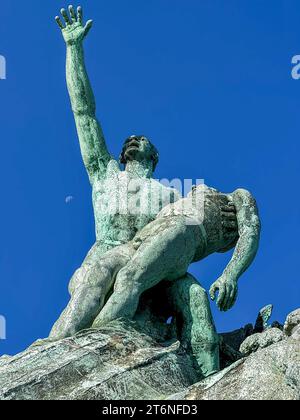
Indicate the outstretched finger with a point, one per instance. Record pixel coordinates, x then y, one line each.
72 13
59 22
213 291
87 27
227 300
65 16
234 298
221 297
79 14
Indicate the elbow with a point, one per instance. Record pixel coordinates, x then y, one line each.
250 227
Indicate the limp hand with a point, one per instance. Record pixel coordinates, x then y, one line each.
72 26
228 291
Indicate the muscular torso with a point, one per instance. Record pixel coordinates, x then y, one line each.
203 207
124 204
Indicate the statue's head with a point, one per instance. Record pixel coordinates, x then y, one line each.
139 148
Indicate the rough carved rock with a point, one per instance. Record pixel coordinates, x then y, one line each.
235 338
261 341
117 363
230 344
263 317
269 374
292 323
121 363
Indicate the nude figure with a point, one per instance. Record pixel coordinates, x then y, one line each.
124 201
115 192
137 251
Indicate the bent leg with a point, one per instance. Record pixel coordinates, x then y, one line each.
90 293
165 253
195 325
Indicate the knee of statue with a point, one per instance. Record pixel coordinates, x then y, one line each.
75 278
125 287
125 278
79 273
198 295
83 276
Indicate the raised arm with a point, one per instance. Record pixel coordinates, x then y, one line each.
92 144
244 253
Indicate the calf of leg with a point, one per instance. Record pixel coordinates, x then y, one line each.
195 325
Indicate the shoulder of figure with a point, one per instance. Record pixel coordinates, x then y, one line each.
113 168
157 186
110 171
241 195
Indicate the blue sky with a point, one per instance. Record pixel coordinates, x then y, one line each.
208 81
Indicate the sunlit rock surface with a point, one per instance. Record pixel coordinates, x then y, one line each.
120 362
117 363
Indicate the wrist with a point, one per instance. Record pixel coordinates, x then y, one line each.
74 44
230 275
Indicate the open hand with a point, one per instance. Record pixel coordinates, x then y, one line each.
72 28
228 291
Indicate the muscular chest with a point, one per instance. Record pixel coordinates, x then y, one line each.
123 195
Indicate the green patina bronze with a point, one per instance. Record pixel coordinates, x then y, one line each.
147 235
